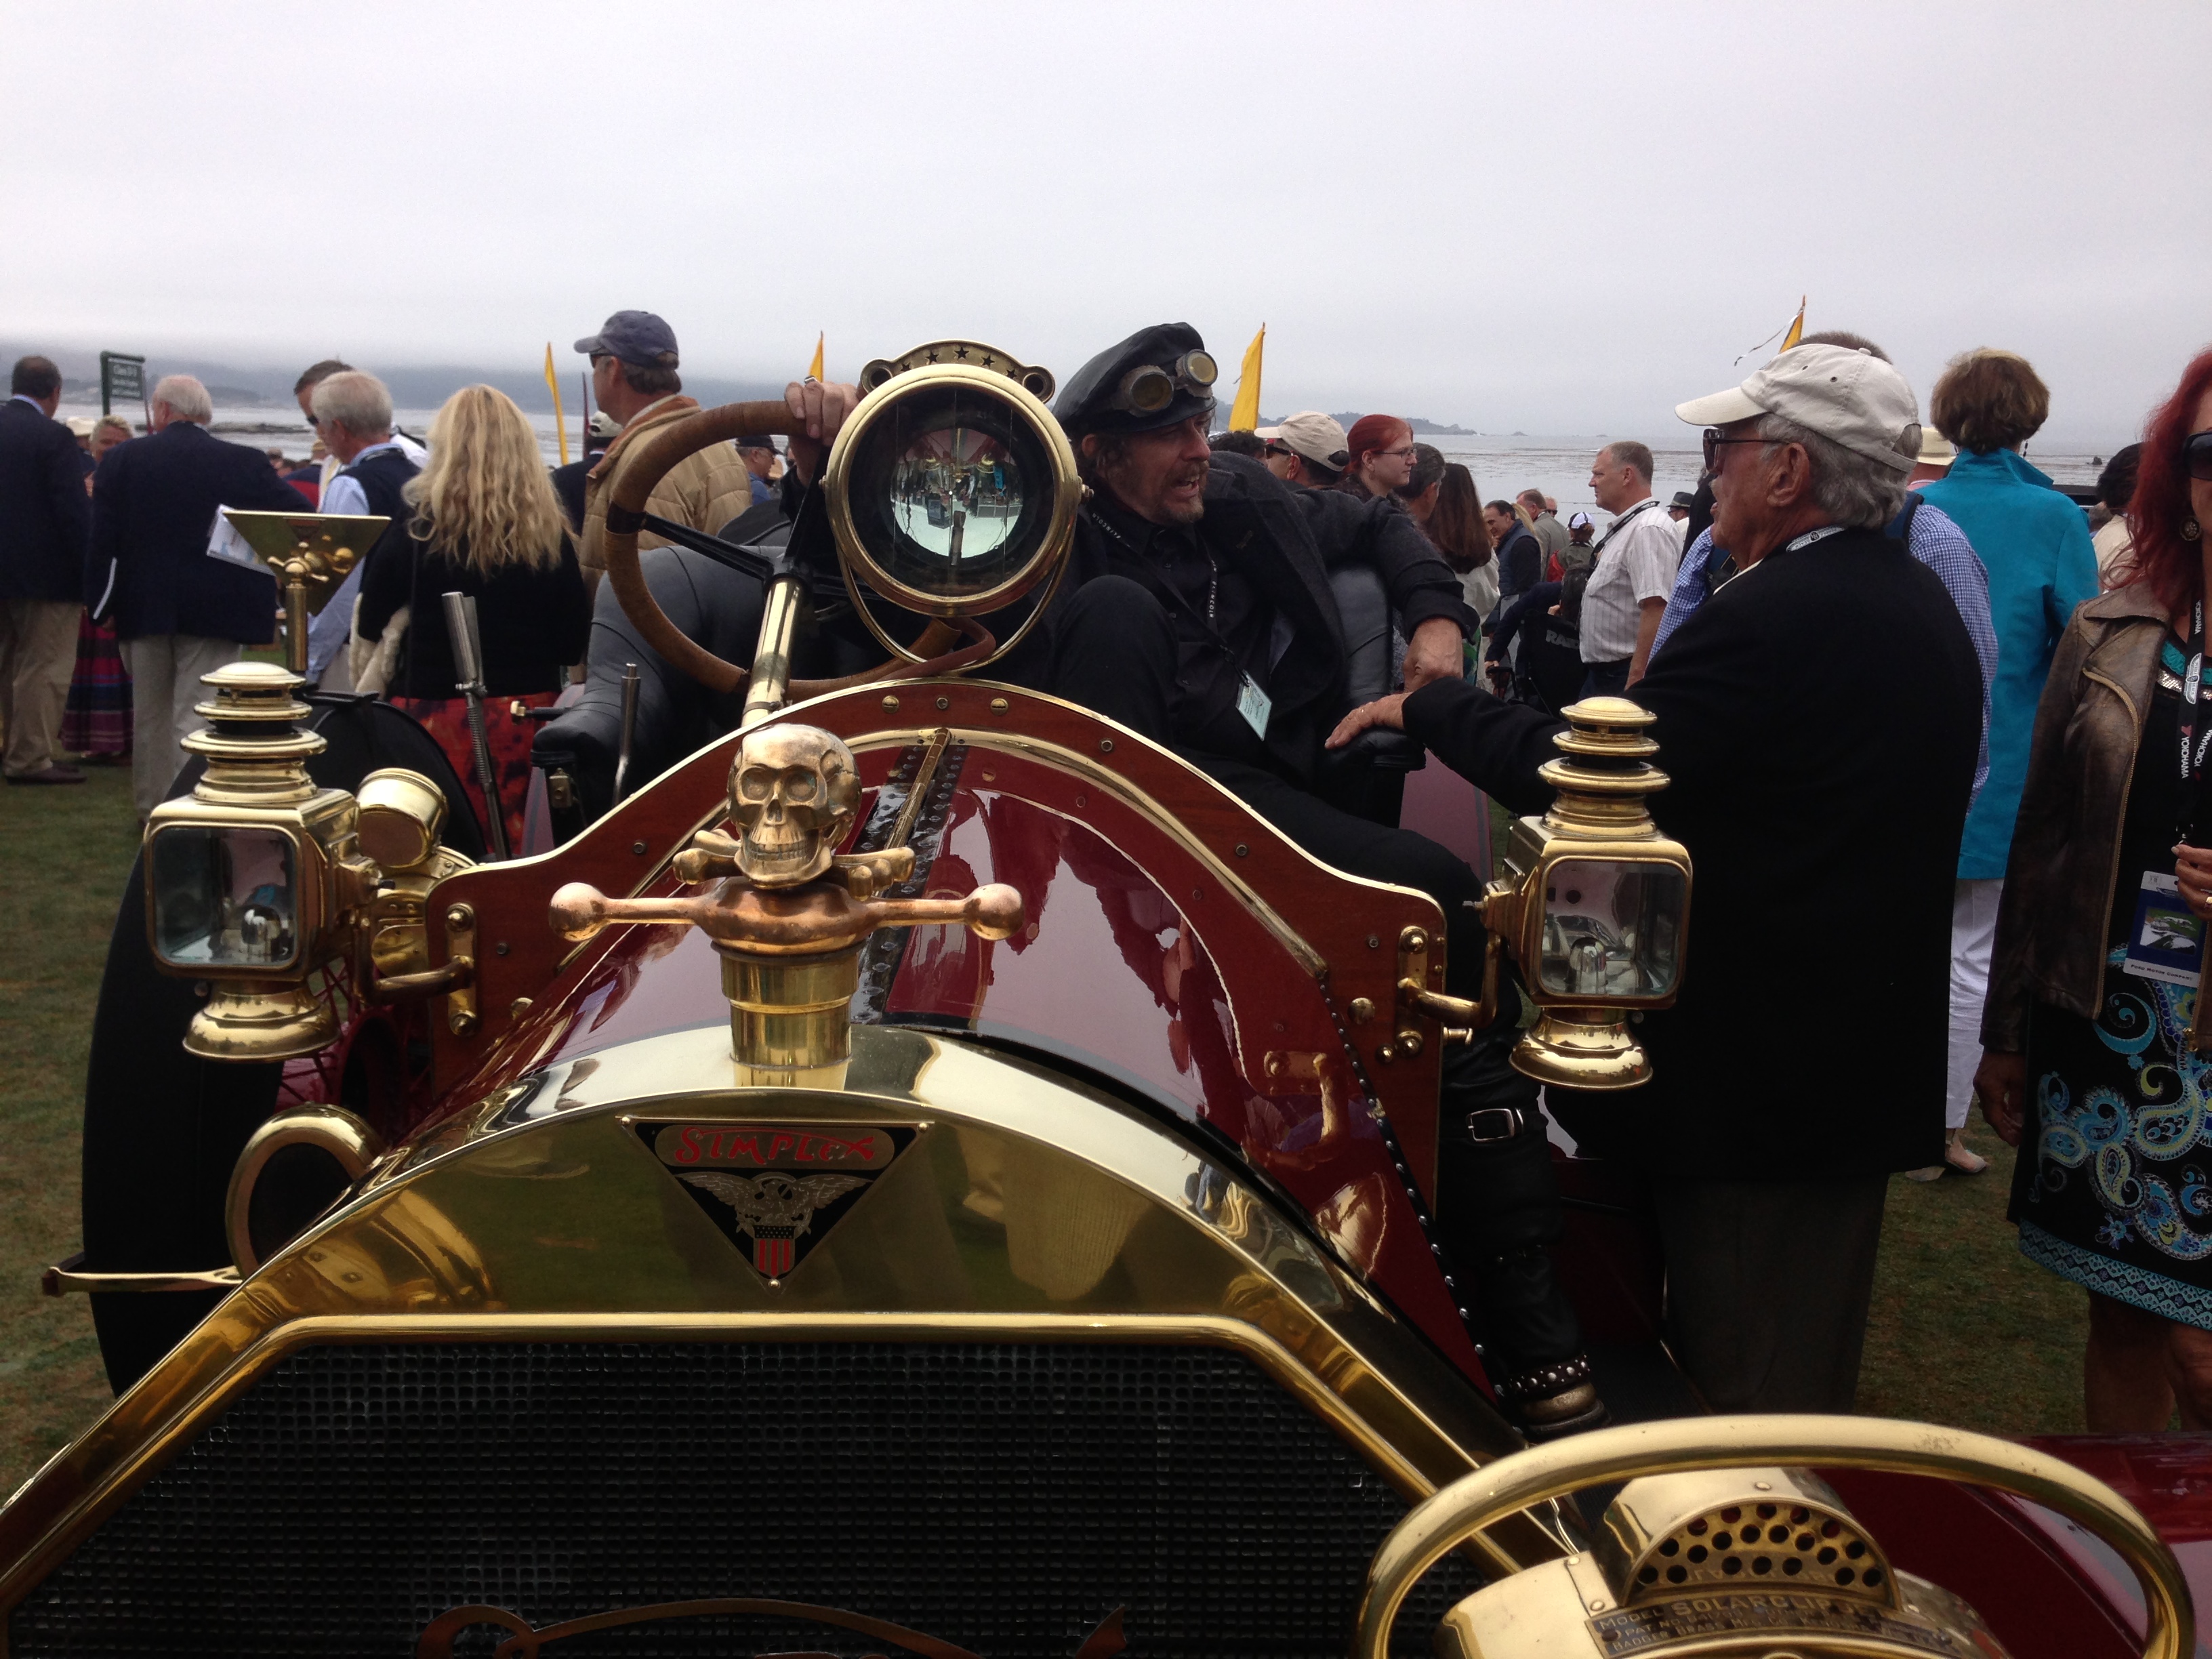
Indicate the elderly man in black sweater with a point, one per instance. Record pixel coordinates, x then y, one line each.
1819 719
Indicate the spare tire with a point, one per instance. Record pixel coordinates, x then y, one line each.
163 1128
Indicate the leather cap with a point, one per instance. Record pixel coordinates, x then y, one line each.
1086 403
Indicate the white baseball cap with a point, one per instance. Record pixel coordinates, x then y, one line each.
1312 435
1851 398
1578 521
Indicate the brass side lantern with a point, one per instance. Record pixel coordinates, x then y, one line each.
1592 902
248 877
261 878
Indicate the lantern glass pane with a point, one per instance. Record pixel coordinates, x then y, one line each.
225 896
1612 930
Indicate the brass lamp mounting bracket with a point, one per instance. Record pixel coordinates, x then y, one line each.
1421 970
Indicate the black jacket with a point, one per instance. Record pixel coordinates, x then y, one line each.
154 502
1520 563
1284 542
1822 802
533 623
44 516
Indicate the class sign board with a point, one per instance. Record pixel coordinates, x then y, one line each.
122 378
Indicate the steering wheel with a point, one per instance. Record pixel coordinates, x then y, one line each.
639 473
1482 1499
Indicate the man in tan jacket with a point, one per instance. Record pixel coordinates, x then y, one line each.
633 378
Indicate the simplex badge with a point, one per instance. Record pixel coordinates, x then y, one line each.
781 1186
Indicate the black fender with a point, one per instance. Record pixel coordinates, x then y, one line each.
163 1129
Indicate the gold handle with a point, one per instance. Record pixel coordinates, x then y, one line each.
1480 1500
823 916
580 910
1460 1018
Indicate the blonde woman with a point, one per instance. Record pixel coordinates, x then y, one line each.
486 523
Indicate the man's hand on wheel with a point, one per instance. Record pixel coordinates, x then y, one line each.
820 409
1389 712
1437 652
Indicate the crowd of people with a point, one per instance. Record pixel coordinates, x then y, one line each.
1914 715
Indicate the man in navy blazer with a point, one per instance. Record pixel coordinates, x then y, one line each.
179 613
44 518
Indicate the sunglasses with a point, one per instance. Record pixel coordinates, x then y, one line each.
2196 456
1715 443
1405 454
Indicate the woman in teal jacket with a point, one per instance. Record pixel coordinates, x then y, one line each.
2034 544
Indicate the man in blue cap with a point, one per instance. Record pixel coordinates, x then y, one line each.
1199 610
634 378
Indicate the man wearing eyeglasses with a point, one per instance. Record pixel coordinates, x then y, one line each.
1634 572
634 380
1806 1059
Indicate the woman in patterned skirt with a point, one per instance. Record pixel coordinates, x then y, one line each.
96 720
488 524
2089 1065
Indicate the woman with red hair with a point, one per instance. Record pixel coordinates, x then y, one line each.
1381 448
2100 943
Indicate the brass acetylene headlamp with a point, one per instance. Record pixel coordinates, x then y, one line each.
248 878
259 879
1593 904
951 489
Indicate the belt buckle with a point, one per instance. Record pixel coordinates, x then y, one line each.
1490 1123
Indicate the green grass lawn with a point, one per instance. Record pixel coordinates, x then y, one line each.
1965 1330
64 855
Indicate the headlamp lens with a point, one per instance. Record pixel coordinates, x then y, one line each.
1612 929
225 895
952 494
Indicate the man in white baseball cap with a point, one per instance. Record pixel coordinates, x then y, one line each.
1307 451
1818 718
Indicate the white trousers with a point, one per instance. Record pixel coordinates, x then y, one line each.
165 684
1973 930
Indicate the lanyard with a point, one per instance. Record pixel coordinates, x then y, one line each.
1212 580
2192 748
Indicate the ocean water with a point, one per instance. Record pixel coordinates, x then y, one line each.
1502 466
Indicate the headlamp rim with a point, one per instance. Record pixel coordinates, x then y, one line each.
858 564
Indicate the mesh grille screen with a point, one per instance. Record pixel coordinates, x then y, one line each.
1004 1497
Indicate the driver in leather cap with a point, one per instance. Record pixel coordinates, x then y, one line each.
1199 610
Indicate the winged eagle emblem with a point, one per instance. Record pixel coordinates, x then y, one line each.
773 1210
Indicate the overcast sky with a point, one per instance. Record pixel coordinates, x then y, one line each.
1559 218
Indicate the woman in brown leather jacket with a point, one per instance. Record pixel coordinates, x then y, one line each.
2098 944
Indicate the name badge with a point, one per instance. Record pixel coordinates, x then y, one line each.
2167 940
1255 705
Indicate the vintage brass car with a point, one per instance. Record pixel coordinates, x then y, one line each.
932 1172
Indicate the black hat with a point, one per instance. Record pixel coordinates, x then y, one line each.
635 337
1684 500
1110 393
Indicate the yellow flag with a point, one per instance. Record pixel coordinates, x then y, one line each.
814 368
1245 413
560 420
1797 328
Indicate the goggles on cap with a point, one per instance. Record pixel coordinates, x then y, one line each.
1149 388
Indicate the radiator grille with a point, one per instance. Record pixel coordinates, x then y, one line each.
1002 1497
